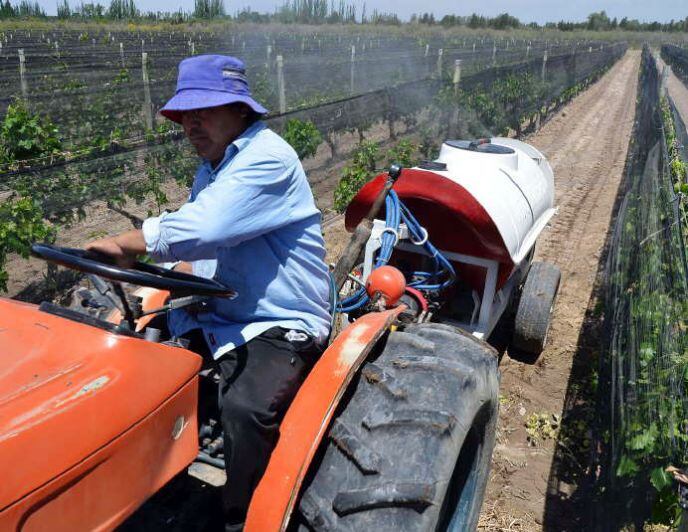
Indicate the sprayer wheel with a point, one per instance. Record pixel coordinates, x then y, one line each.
534 312
410 446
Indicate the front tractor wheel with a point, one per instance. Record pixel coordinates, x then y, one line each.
410 448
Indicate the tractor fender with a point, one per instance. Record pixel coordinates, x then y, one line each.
307 420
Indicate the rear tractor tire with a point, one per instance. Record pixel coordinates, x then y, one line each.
533 317
410 448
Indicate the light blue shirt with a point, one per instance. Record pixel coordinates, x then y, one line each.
252 224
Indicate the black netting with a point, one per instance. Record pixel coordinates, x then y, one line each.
644 374
678 59
90 88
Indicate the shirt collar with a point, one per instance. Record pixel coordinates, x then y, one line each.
247 136
237 145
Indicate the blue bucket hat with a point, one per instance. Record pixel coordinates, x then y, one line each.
209 81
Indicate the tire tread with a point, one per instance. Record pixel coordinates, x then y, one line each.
396 438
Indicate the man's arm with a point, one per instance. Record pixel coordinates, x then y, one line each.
251 200
124 247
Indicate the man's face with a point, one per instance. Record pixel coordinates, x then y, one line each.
212 129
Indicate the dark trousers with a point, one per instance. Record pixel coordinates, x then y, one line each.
258 382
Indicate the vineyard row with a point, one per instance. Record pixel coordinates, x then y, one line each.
42 198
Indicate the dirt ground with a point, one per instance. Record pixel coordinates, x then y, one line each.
586 144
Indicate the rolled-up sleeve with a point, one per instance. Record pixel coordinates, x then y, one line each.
151 234
246 200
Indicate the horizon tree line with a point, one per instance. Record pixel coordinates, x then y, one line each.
325 12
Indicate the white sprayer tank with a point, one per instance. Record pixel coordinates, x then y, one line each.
511 180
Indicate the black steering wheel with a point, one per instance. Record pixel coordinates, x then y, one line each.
140 274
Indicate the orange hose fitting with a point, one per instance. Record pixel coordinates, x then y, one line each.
387 281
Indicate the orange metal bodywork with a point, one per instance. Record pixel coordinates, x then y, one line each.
91 423
90 420
308 418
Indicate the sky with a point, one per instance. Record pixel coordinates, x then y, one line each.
526 10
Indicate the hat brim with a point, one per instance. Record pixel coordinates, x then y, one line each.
190 99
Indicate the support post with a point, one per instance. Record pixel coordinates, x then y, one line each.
121 54
280 85
544 66
457 75
428 64
147 106
57 49
268 53
571 68
440 53
527 51
353 69
663 80
193 48
494 53
22 76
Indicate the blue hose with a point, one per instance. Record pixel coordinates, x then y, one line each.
443 274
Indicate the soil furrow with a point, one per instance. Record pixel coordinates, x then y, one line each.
586 145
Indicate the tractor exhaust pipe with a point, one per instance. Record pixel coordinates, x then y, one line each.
362 233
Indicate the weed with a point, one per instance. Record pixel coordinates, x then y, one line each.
542 426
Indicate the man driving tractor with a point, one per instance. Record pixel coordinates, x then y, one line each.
251 223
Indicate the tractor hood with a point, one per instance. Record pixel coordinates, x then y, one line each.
68 389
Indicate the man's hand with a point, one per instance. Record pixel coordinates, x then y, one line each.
124 248
184 267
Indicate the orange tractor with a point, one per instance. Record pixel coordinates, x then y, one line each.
392 429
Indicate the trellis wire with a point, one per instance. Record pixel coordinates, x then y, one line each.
99 174
82 93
